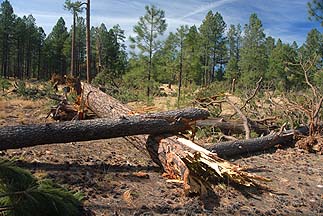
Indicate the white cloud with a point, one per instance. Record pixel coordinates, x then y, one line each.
207 7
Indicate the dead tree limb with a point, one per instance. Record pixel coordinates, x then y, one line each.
253 94
243 117
306 67
165 122
240 147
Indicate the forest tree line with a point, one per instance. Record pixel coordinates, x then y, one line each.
201 54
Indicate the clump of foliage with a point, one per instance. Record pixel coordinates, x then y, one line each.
22 90
4 84
22 194
125 90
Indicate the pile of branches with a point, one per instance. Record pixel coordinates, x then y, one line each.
179 157
299 112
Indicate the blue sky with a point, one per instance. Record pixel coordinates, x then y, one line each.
285 19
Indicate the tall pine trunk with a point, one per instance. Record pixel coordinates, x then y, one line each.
180 74
88 43
73 45
150 57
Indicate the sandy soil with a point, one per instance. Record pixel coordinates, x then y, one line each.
118 179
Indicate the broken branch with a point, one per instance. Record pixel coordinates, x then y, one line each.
243 117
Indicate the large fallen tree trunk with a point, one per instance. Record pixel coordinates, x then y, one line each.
164 122
105 106
240 147
179 157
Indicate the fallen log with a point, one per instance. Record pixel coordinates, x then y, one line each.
199 168
105 106
179 160
240 147
20 136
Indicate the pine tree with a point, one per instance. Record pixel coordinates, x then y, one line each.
55 42
148 28
253 61
20 40
270 45
111 56
213 40
276 72
315 10
101 37
75 8
80 48
116 56
31 37
40 45
7 19
234 41
192 52
22 194
312 50
181 34
166 60
313 44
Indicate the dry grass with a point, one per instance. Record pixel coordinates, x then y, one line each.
227 109
128 197
158 104
20 111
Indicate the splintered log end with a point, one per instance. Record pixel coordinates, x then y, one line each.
199 168
164 154
165 151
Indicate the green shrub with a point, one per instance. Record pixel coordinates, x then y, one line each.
4 84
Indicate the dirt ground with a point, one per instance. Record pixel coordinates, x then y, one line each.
118 179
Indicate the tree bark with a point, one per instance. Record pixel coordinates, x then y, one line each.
165 122
240 147
103 105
